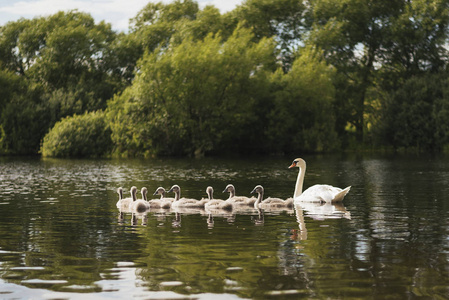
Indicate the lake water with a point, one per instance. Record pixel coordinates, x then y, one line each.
62 236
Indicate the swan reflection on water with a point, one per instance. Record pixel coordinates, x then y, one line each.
260 219
135 216
314 210
317 211
323 211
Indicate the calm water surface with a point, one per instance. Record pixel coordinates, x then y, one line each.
61 235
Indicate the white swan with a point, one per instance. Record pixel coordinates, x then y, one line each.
141 205
269 202
125 204
163 202
216 203
238 200
184 202
317 193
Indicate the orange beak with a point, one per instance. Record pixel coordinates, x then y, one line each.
293 165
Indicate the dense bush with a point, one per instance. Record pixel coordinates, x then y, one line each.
53 67
417 114
24 118
194 98
302 119
78 136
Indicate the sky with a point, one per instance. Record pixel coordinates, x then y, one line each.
116 12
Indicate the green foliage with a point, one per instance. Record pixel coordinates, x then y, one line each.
155 24
190 81
193 98
23 119
416 115
78 136
64 50
302 119
10 85
281 19
69 62
368 40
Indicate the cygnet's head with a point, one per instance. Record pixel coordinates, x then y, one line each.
258 189
175 189
229 188
159 191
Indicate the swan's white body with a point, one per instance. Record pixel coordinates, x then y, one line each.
317 193
212 203
184 202
238 200
269 203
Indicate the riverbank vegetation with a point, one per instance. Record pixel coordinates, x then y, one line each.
270 76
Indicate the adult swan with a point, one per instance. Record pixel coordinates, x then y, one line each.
317 193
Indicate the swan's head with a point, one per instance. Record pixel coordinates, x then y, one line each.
133 190
175 189
229 188
299 162
258 189
159 191
210 192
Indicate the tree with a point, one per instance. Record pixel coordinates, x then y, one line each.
12 89
416 115
191 98
282 20
63 51
69 64
351 33
24 121
374 42
155 24
302 118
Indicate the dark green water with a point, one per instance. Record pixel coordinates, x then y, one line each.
62 237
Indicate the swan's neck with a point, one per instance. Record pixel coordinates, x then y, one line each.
210 195
177 195
163 195
144 196
120 194
231 193
134 195
259 199
300 180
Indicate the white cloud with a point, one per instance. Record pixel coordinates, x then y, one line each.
116 12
